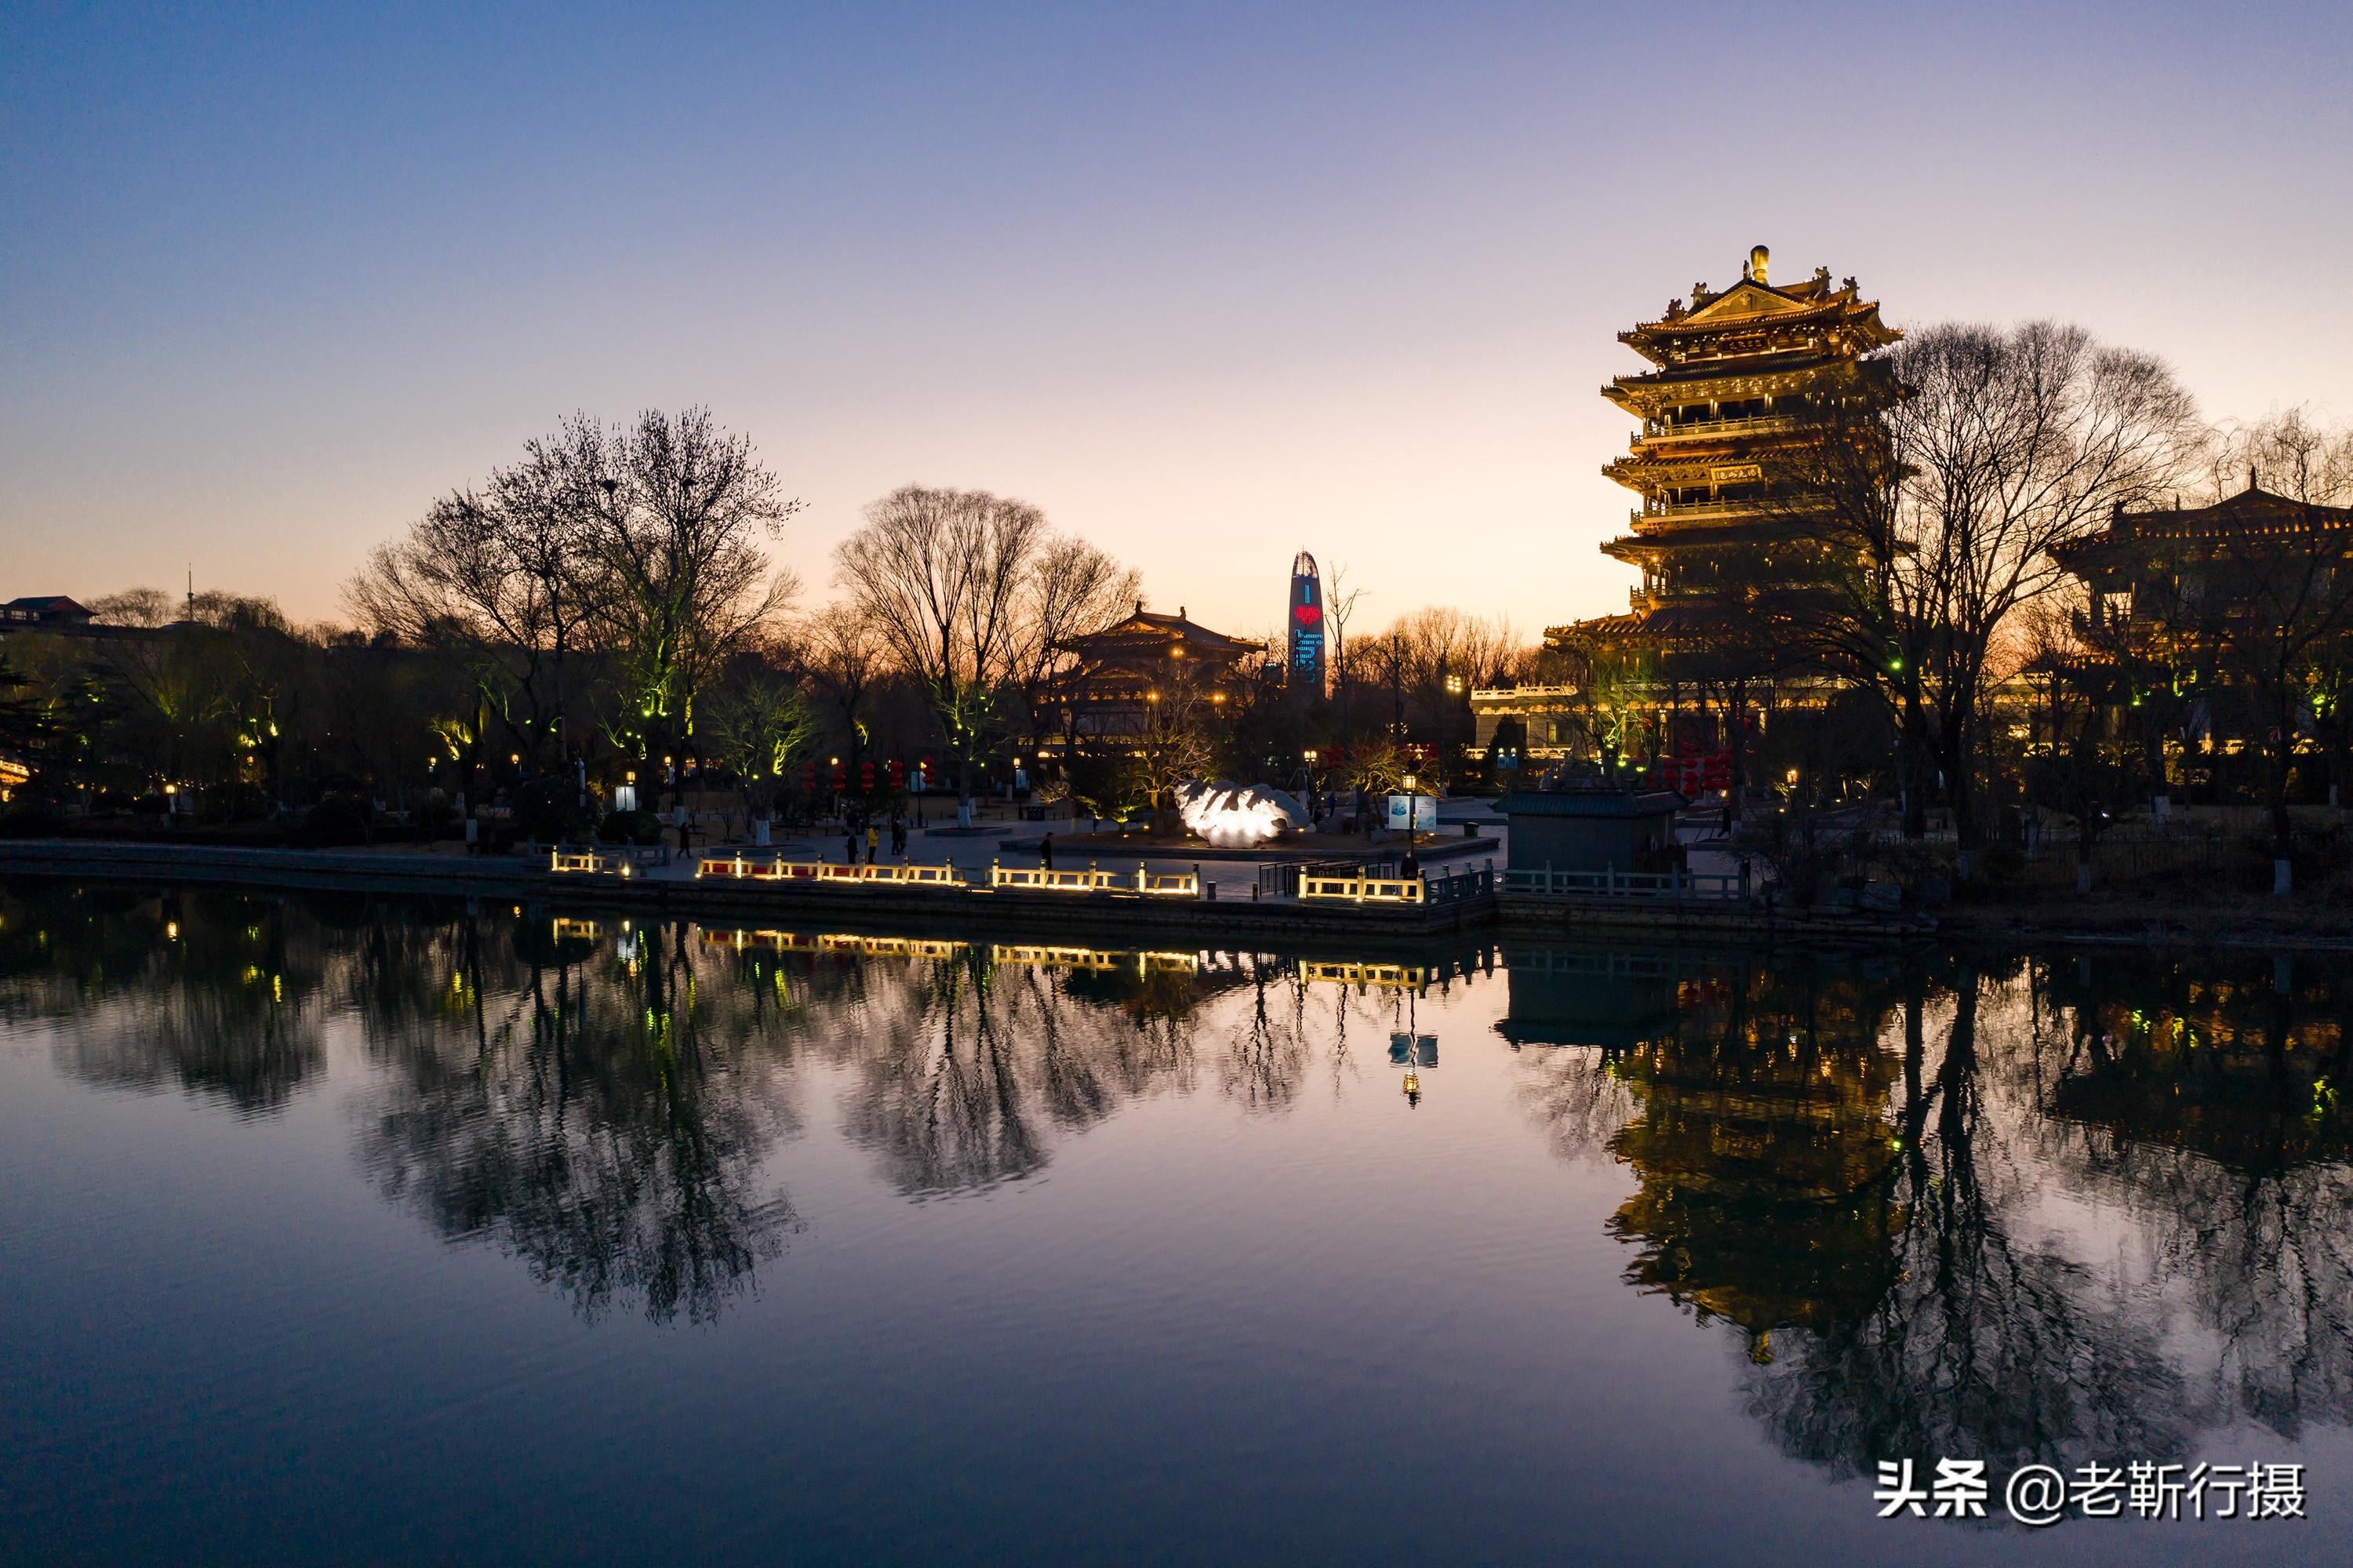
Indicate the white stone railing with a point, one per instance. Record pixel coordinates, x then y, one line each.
1610 884
1361 889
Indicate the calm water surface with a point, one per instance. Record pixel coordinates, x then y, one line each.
374 1231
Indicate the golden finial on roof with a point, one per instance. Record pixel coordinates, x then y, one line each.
1757 257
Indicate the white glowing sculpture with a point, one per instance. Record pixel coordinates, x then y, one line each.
1237 816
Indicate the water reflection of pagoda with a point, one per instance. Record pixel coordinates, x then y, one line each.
1760 1139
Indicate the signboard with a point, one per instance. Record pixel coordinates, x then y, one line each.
1413 813
1735 473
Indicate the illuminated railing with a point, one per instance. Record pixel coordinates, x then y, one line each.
745 868
565 929
887 947
1095 960
587 862
782 941
1045 879
1361 889
1739 425
807 942
750 868
1094 879
1693 511
1396 976
1522 696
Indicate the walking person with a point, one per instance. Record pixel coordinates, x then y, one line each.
873 842
850 847
1046 852
898 838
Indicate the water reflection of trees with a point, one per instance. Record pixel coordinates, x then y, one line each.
2207 1096
215 993
1987 1340
599 1100
965 1066
1860 1172
600 1113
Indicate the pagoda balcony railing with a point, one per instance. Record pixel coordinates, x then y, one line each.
1695 511
1715 511
1740 424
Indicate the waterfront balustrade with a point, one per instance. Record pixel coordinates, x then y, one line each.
1094 879
586 863
1361 889
749 868
1544 882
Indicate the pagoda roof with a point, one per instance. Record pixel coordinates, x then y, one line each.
2251 513
1752 302
1601 628
1748 376
1152 631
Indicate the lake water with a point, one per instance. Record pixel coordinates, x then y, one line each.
372 1230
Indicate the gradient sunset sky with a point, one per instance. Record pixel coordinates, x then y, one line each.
1208 285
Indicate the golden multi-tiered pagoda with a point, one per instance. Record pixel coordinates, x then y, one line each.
1744 377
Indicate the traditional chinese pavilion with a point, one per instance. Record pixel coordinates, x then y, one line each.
1741 385
2163 582
1115 674
1740 379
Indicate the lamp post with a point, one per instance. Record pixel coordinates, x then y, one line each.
1412 804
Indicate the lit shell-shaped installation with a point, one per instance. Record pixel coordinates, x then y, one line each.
1237 816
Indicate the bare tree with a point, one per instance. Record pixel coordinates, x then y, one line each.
503 583
844 654
944 576
144 607
1942 512
760 727
682 505
1174 741
1074 589
1340 603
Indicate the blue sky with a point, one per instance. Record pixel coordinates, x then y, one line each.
1210 285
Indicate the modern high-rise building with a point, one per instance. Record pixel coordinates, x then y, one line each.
1305 668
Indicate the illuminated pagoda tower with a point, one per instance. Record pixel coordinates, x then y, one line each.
1741 378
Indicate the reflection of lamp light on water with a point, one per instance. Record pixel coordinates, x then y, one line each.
1413 1052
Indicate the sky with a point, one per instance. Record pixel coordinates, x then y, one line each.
1208 285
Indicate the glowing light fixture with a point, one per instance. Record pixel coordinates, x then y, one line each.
1235 816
